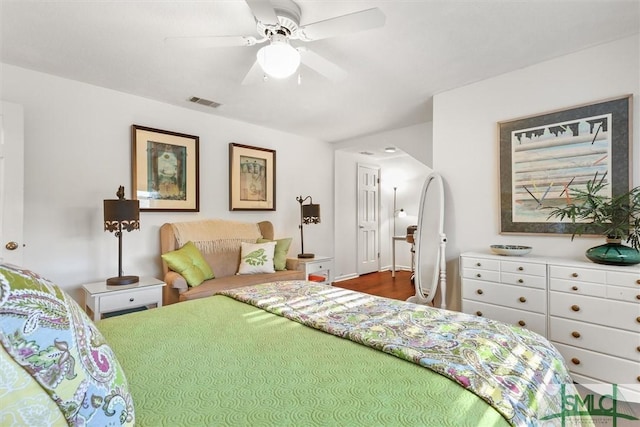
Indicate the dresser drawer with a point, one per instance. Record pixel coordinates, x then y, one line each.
524 268
624 294
595 310
577 274
611 341
578 288
121 301
526 319
619 278
605 368
520 279
519 297
480 263
474 273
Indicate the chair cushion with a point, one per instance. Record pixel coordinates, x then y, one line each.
189 262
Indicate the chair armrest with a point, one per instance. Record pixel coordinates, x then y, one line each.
176 281
292 264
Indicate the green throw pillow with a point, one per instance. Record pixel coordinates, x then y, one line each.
280 254
188 261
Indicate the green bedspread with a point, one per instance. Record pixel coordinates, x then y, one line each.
216 361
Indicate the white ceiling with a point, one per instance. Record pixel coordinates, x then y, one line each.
424 48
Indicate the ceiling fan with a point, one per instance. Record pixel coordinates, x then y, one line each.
278 22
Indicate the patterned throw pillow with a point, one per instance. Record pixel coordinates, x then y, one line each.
281 251
188 261
45 331
256 258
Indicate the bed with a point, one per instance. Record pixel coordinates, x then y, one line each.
300 353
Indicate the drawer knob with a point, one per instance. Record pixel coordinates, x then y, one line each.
638 349
522 299
575 361
574 288
574 275
521 268
638 319
638 378
520 281
521 323
478 275
638 296
577 308
478 313
479 292
131 299
478 264
575 334
638 282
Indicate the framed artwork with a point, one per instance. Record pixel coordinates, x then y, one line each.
544 157
165 174
252 178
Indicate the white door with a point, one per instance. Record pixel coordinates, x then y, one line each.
368 219
11 183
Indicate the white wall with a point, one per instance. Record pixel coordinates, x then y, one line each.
465 138
77 153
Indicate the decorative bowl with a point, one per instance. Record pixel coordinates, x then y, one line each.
511 250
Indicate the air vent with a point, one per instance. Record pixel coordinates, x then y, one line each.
204 102
367 153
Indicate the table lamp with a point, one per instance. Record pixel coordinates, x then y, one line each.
309 214
118 215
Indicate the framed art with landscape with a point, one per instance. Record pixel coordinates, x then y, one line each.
252 178
544 158
165 170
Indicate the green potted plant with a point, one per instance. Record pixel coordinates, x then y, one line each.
617 218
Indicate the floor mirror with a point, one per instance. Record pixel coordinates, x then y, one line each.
430 242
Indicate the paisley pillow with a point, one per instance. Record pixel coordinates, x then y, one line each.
49 335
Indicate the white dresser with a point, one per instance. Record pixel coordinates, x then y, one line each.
513 290
590 312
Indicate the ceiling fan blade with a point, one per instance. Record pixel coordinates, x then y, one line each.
263 11
321 65
345 24
201 42
255 75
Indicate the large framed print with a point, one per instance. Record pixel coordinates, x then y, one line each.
165 170
544 157
252 178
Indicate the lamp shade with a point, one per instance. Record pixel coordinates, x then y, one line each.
311 214
279 59
121 212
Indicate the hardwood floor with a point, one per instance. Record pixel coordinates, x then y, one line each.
382 284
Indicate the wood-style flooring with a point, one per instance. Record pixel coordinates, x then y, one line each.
381 284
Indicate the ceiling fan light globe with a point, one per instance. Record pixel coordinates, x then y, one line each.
279 59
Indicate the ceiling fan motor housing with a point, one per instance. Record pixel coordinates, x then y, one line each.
288 14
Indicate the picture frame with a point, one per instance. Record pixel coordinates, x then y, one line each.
165 170
543 157
252 178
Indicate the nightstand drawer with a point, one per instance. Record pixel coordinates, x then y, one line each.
318 266
129 299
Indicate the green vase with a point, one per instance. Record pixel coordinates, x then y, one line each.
613 253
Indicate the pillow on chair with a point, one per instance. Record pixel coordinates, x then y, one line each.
188 261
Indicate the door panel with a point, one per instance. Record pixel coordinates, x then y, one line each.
11 183
368 219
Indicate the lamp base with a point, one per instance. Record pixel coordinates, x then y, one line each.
122 280
306 255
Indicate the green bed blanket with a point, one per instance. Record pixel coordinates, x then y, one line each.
216 362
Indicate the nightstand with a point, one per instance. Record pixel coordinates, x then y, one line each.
100 298
318 269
